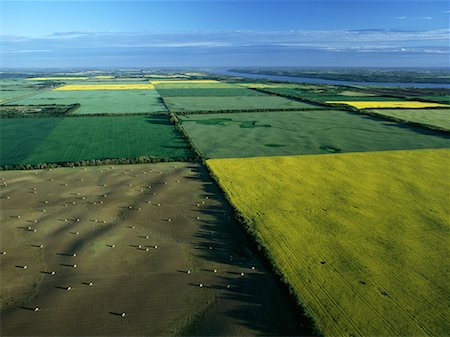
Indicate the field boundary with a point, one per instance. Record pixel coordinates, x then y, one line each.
71 115
206 112
256 241
98 162
400 120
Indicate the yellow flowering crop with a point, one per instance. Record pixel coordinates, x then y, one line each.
104 76
361 238
389 104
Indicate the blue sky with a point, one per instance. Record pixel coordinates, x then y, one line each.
224 33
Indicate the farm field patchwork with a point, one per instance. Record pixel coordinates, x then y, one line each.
434 117
184 82
101 101
208 92
389 104
360 237
303 132
69 139
116 86
57 78
186 104
14 88
318 96
128 264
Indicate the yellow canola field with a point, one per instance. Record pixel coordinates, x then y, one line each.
183 81
361 238
103 76
389 104
57 78
123 86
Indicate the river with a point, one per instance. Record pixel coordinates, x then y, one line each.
325 81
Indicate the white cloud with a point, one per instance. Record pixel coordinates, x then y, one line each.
364 40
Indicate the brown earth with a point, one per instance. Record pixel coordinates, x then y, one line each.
146 278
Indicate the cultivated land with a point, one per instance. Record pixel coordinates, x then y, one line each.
303 132
14 88
359 237
187 104
136 266
101 101
439 118
115 86
389 104
69 139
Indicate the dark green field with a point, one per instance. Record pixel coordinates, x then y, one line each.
48 140
305 132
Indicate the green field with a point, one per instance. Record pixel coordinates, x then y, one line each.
439 99
433 117
183 104
204 92
305 132
14 88
48 140
319 96
194 85
361 238
101 101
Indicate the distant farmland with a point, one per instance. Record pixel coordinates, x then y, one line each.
83 138
359 237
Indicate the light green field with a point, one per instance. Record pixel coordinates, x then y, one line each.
102 101
194 85
361 238
50 140
14 88
182 104
434 117
303 132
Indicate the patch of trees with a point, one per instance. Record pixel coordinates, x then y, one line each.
52 110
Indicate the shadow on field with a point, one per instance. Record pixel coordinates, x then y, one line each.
405 126
158 119
246 291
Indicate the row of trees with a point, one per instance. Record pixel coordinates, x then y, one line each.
97 162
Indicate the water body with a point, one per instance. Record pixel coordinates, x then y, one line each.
325 81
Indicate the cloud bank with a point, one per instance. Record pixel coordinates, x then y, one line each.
223 48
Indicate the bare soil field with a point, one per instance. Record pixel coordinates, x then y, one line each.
131 250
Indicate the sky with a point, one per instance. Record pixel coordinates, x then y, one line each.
364 33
